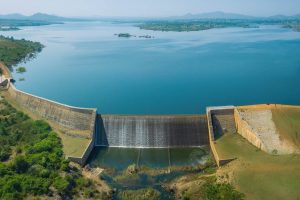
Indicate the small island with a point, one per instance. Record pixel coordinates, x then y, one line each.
9 28
125 35
146 36
21 70
128 35
295 27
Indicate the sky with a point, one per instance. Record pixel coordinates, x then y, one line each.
149 8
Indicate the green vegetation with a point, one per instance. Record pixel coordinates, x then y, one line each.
32 161
143 178
260 175
142 194
205 24
13 51
287 121
18 22
295 25
207 188
21 70
193 25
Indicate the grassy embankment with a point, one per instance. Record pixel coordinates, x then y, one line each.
287 122
255 173
258 174
14 51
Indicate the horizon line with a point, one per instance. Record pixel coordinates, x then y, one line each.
149 16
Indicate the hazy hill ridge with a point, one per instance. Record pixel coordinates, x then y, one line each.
208 15
224 15
38 17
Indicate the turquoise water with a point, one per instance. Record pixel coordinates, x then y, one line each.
120 158
85 65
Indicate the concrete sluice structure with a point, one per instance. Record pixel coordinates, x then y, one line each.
151 131
220 121
223 122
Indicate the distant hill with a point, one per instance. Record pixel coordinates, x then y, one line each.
46 17
224 15
216 15
284 17
209 15
12 16
39 17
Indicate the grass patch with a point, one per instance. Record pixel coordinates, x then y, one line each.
143 194
73 146
221 144
260 175
209 189
287 121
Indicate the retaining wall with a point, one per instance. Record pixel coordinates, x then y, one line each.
245 130
221 110
5 71
83 159
141 131
212 138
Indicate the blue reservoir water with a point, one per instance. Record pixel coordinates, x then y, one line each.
85 64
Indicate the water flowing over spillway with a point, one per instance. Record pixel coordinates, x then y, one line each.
142 131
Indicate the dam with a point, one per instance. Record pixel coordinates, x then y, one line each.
151 131
86 129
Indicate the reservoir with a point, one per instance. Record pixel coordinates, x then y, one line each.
85 64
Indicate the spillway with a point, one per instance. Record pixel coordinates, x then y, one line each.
151 131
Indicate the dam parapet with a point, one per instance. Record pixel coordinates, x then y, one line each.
65 116
151 131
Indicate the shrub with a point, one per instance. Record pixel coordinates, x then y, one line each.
41 163
20 164
21 69
61 184
216 191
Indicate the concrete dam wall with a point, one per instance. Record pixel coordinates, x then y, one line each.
65 116
151 131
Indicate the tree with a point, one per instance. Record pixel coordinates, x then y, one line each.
20 164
